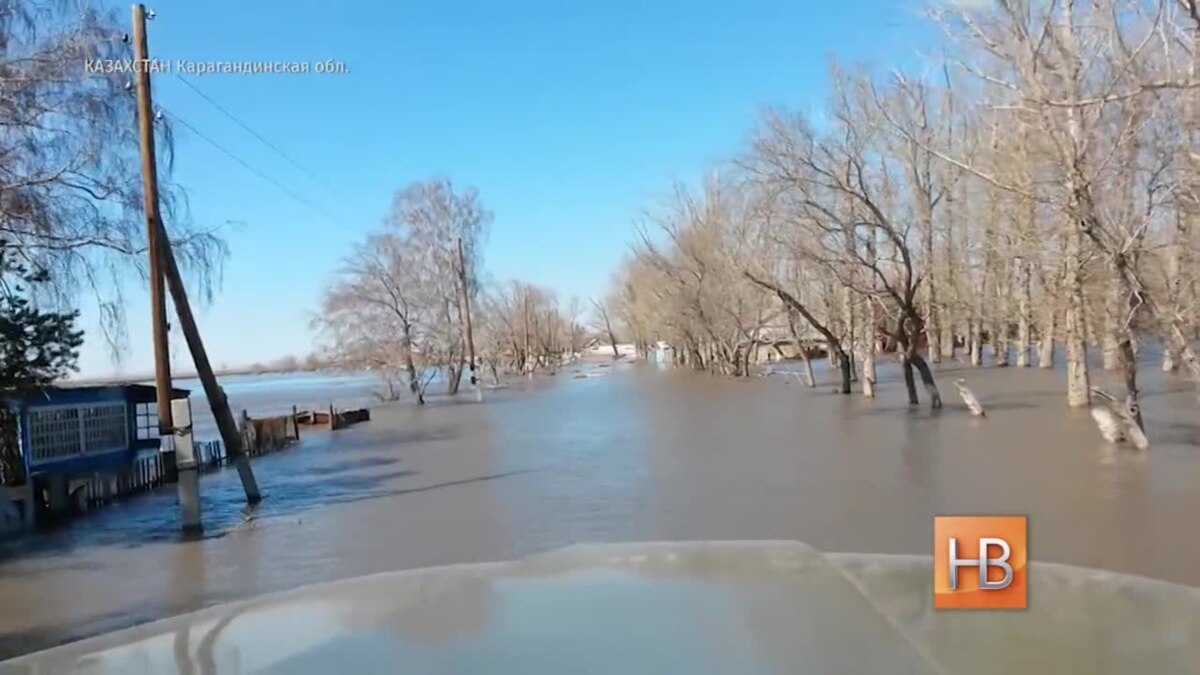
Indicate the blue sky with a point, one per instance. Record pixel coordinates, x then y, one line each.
570 118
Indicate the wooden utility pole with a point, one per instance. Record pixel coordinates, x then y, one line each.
462 280
527 366
188 498
212 390
168 267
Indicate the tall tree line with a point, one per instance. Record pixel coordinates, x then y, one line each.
1038 189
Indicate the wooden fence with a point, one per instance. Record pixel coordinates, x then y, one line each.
332 418
148 472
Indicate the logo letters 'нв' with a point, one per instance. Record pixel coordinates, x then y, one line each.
983 562
966 548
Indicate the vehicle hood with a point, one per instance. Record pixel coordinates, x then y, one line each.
695 608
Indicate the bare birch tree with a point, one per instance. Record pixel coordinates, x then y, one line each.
70 193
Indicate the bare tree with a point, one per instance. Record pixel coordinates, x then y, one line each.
70 201
1093 88
443 227
811 174
399 303
604 322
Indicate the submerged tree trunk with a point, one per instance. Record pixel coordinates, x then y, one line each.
1126 349
975 341
1000 340
1000 311
935 396
844 364
949 338
910 383
410 368
832 343
868 369
869 340
455 372
809 378
870 330
1046 341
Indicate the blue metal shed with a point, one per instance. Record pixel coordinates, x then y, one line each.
86 429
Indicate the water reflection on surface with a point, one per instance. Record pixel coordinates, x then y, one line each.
638 455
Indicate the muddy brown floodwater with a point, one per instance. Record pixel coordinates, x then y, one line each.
640 454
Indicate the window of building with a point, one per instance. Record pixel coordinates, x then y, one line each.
147 421
64 432
104 427
54 434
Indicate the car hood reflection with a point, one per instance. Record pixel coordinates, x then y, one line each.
700 607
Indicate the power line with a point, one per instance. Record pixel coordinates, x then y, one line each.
236 120
229 153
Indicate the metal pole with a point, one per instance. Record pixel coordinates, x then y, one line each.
188 499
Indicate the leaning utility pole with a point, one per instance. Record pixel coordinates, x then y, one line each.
184 471
212 390
169 268
462 280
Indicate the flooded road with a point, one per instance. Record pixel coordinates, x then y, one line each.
637 455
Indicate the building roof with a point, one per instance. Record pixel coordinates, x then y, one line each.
67 392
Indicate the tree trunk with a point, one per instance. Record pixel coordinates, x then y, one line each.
935 396
1000 339
1111 340
831 340
526 365
1023 309
1046 341
809 378
975 341
843 359
1126 349
910 384
949 339
455 373
1078 386
868 348
1178 268
933 329
850 329
1002 272
868 369
1183 348
409 366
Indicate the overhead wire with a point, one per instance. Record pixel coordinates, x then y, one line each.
247 165
261 138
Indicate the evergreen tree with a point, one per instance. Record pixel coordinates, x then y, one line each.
37 346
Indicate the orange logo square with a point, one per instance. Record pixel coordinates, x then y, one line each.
979 562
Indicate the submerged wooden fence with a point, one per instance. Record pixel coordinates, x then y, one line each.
332 418
149 472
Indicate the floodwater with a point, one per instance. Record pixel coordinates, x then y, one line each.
639 454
